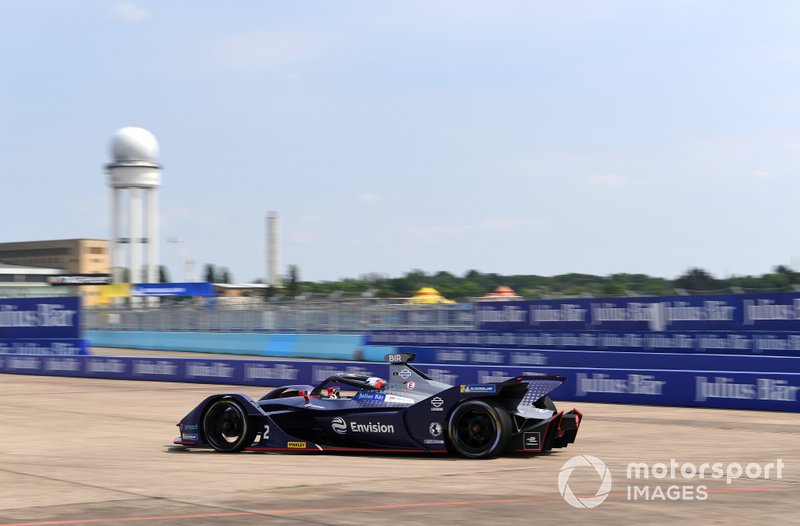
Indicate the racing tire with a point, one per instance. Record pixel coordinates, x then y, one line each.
478 429
227 428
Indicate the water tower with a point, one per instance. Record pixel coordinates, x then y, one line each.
134 177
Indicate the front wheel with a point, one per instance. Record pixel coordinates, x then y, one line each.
227 428
478 429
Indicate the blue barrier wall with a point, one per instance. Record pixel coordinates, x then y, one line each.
323 346
725 312
759 343
730 390
724 380
604 359
349 347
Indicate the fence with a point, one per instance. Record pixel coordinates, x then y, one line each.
308 317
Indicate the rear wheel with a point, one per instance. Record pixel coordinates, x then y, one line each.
478 429
227 428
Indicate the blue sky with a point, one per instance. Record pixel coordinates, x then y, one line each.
512 137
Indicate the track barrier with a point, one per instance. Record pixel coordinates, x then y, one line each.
773 391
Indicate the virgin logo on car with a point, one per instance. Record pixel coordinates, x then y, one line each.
339 425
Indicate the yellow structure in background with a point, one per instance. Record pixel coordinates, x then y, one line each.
428 296
115 290
501 293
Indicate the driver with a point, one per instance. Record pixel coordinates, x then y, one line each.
376 382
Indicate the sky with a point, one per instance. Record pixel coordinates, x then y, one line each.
514 137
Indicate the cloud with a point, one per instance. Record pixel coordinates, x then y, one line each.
459 14
310 219
765 54
608 180
763 174
129 11
181 216
369 198
491 226
92 210
253 50
303 237
504 225
461 10
435 232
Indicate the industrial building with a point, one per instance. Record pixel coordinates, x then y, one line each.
26 265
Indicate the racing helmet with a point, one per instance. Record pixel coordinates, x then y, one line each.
378 383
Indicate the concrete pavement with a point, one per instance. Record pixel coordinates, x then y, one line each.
86 451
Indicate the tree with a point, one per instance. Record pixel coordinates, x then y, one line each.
163 274
417 278
472 275
697 279
789 275
293 283
612 289
210 273
474 283
401 287
468 290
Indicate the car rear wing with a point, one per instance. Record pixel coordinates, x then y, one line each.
538 386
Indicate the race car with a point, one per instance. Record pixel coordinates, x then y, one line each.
408 412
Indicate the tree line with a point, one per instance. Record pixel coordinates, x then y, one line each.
475 284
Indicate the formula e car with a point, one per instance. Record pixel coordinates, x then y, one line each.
409 412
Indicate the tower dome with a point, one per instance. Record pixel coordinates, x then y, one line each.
134 144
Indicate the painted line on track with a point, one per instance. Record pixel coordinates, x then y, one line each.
367 507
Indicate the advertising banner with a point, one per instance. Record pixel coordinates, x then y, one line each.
731 312
63 280
720 389
429 316
601 359
199 289
41 326
215 371
749 342
44 346
38 318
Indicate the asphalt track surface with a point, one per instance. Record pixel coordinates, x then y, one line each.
99 452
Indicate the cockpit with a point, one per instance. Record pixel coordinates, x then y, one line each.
348 385
339 386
